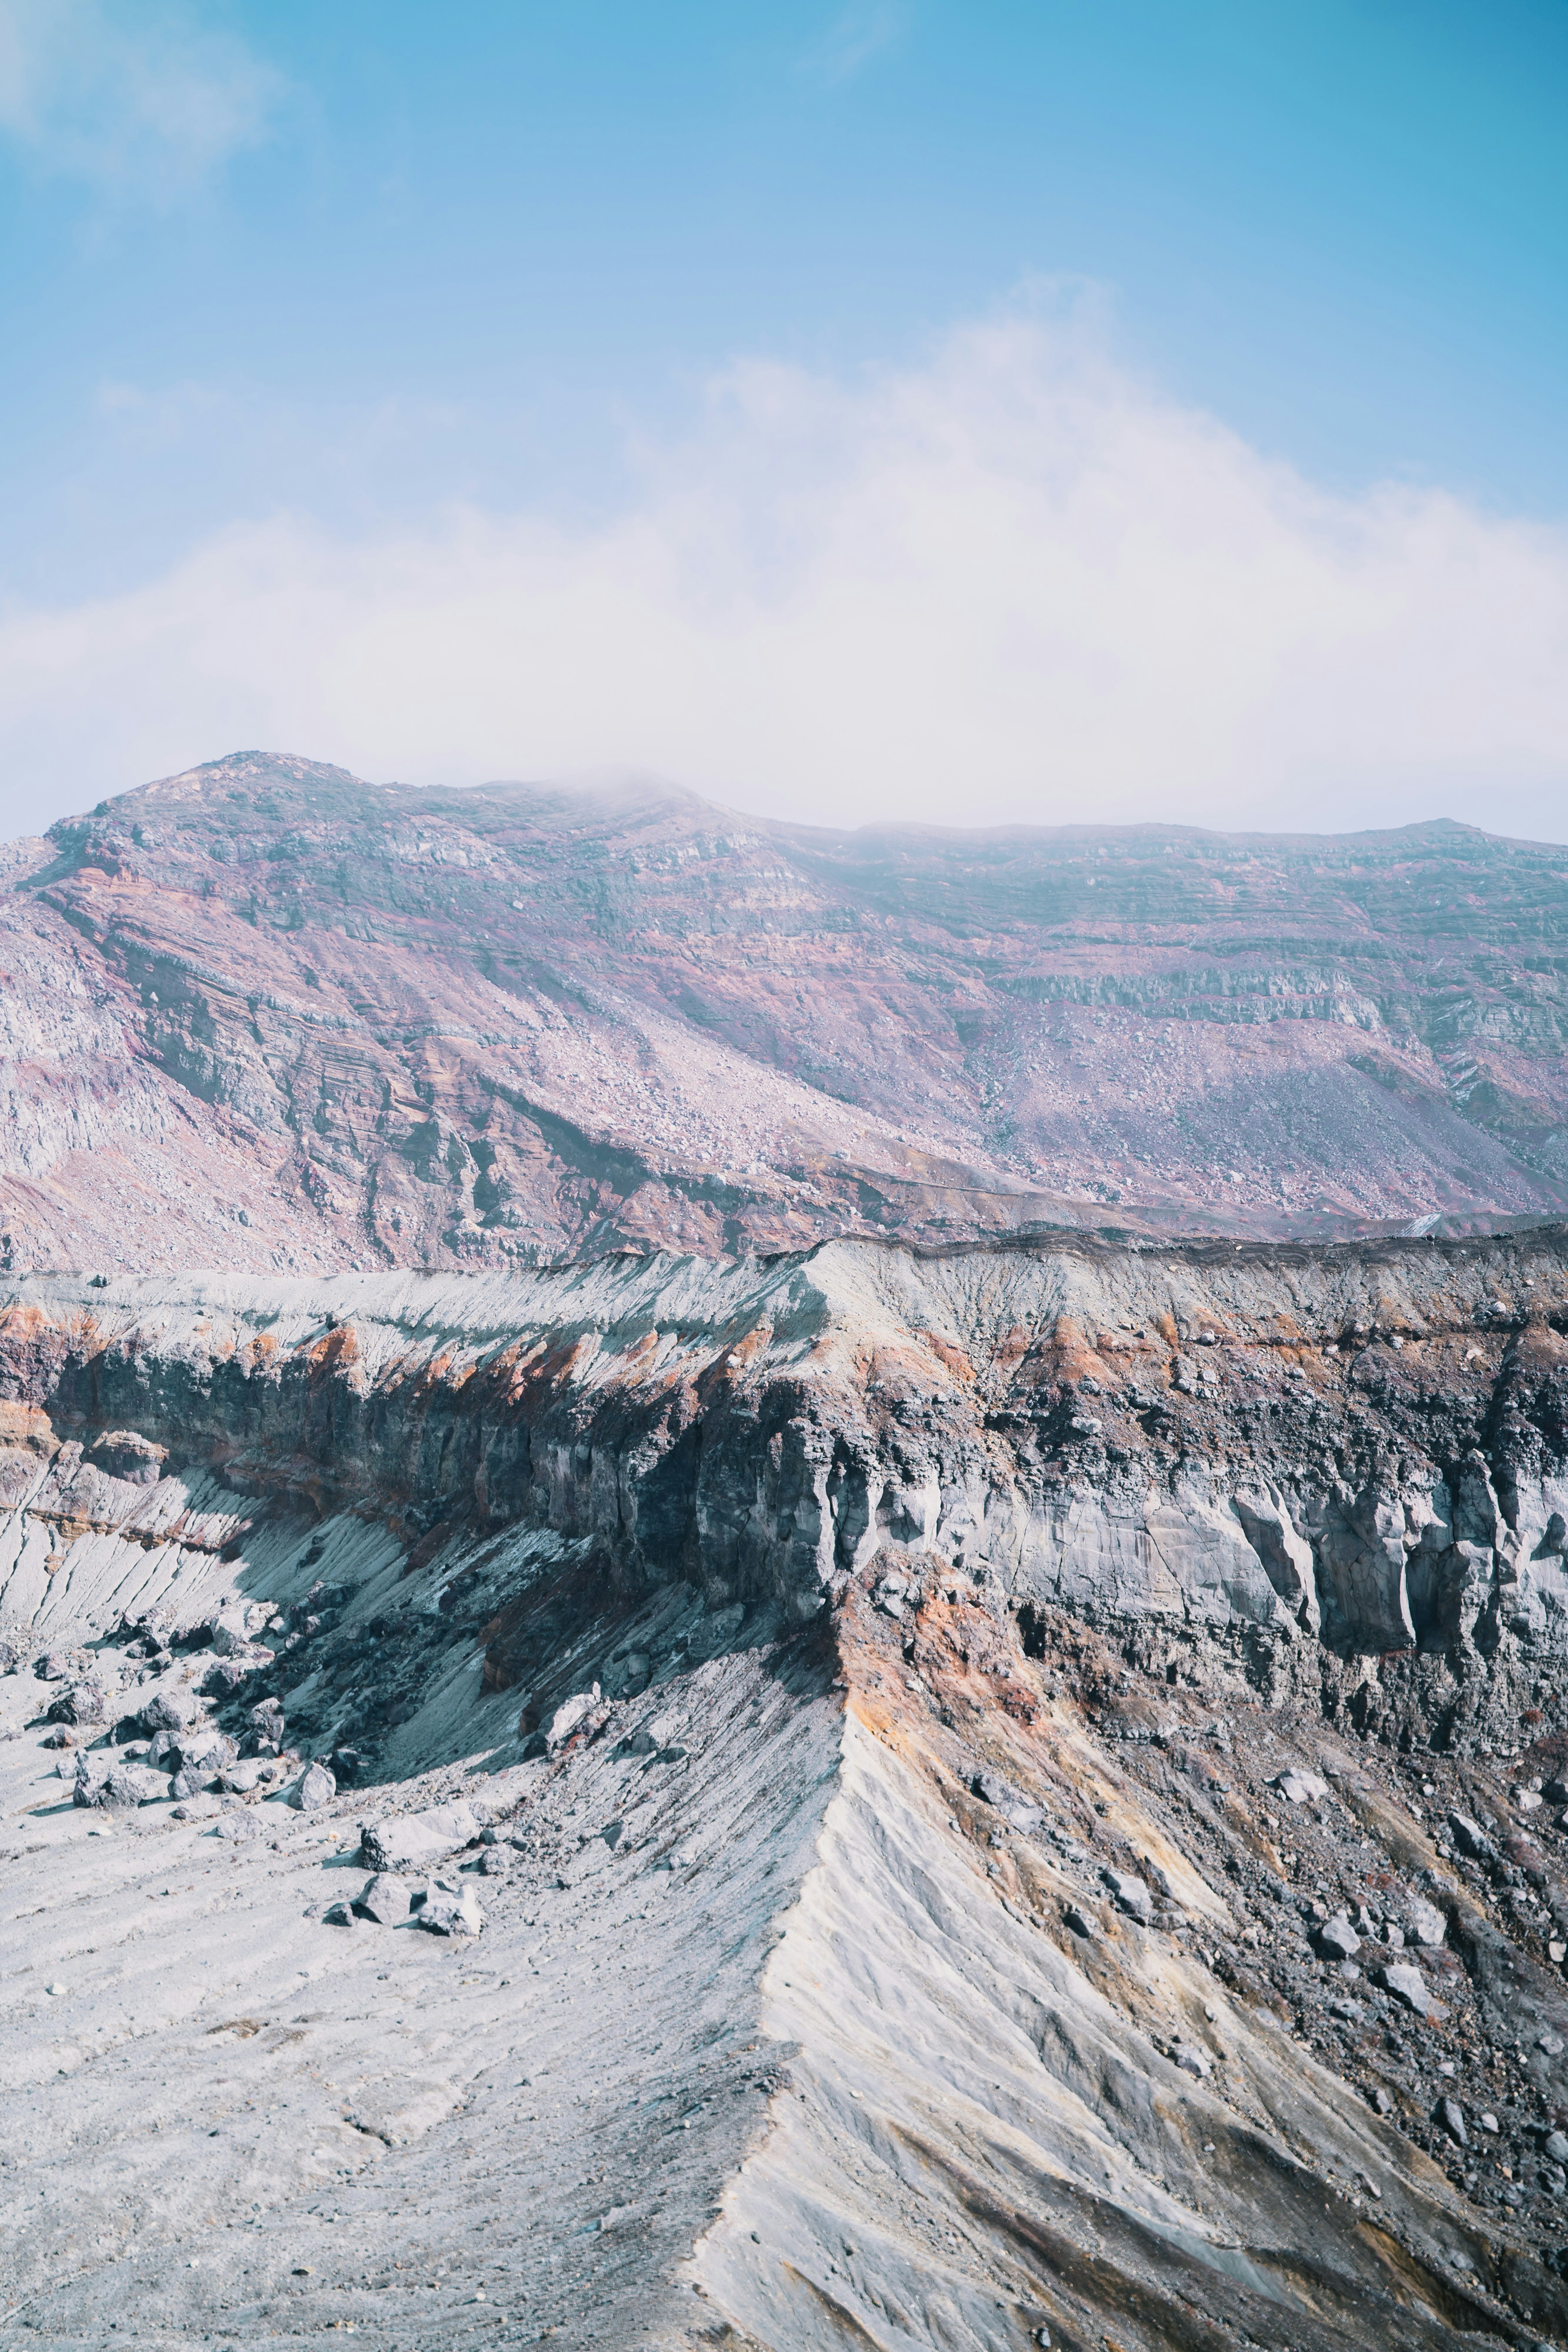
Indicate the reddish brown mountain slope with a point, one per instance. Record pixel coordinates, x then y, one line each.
265 1013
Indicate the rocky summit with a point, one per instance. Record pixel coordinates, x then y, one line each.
266 1015
672 1674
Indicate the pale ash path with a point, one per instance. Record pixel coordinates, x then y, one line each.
200 2112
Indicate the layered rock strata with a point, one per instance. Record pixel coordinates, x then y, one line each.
268 1016
1027 1782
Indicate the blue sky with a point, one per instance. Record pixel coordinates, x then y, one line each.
329 286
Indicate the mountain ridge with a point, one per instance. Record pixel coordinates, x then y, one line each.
264 1011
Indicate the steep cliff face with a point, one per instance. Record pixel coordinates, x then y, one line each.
1340 1472
266 1016
1025 1793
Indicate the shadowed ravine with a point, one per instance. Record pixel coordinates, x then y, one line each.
1013 1796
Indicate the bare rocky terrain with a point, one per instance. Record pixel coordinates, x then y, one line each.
1003 1795
265 1016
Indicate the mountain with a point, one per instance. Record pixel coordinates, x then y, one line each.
266 1016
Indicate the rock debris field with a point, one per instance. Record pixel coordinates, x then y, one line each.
995 1800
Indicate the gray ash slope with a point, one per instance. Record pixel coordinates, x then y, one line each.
1014 1794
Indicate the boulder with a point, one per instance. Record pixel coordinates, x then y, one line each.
1555 2148
1424 1923
1130 1893
1407 1985
624 1677
314 1788
239 1827
198 1755
224 1678
1192 2060
1301 1788
1010 1802
60 1666
1451 2117
450 1910
386 1898
417 1841
1082 1922
169 1710
120 1790
1337 1939
82 1702
568 1715
1469 1837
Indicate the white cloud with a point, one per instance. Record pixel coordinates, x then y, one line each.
139 99
1013 584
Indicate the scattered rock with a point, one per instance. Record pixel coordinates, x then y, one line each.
1337 1939
1555 2148
338 1914
1082 1923
1301 1788
1469 1837
169 1710
239 1827
625 1678
120 1790
1407 1985
56 1666
1450 2115
450 1910
225 1677
1011 1803
1424 1923
1192 2060
496 1861
1130 1893
386 1898
568 1715
83 1703
415 1841
314 1788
